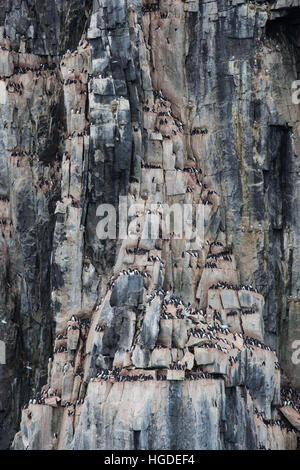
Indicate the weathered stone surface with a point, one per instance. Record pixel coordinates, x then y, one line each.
150 328
161 358
128 290
121 404
292 416
165 333
229 299
36 427
252 325
213 360
73 338
188 360
140 357
175 375
179 335
261 380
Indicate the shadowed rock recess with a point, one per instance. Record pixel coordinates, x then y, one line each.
159 343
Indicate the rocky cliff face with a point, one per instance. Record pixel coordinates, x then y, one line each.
161 343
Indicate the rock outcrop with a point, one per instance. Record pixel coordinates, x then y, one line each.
159 341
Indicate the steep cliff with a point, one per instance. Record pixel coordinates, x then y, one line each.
161 342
